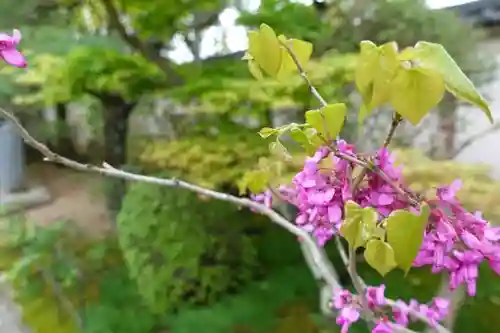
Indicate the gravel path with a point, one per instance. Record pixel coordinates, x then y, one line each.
10 318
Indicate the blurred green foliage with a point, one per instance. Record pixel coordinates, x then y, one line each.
210 161
183 249
90 275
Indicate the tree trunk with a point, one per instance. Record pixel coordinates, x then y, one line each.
116 116
446 131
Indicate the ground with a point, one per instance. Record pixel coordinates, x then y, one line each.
76 197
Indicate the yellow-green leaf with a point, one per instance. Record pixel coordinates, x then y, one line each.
253 45
365 68
254 69
256 181
266 132
301 138
316 120
380 256
415 91
358 224
302 51
435 56
384 73
313 137
405 232
247 56
334 117
376 68
276 148
266 50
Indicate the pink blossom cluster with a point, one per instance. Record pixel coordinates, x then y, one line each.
349 307
458 241
320 194
455 240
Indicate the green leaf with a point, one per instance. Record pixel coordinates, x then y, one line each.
316 120
254 69
388 65
375 69
247 56
379 233
334 116
256 181
265 49
415 91
301 138
266 132
380 256
359 224
302 51
313 138
276 148
365 68
405 232
435 56
22 266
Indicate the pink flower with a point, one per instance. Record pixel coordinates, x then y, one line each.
375 296
382 327
347 316
8 51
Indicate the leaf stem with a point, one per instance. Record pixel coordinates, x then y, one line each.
396 120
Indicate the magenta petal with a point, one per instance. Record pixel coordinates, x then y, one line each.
334 213
455 186
4 37
384 199
13 57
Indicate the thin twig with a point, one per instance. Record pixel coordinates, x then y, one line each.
357 282
396 120
303 74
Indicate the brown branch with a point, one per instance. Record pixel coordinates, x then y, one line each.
148 51
396 120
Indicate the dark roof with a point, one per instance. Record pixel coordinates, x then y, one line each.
481 12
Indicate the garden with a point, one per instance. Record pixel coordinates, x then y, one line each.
134 256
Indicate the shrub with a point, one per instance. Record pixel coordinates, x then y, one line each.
181 248
210 161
